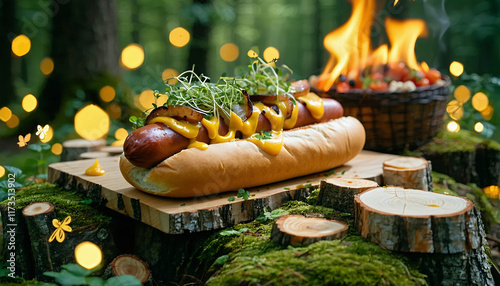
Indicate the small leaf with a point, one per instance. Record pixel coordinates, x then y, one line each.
229 232
128 280
13 170
221 260
86 201
343 172
35 147
308 185
345 214
183 204
231 199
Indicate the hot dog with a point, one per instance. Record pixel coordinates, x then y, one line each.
210 138
153 143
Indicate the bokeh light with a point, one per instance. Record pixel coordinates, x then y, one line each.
229 52
169 74
478 127
453 126
48 136
114 111
487 113
29 102
456 68
13 122
132 56
121 134
147 98
56 149
107 93
88 255
179 37
91 122
5 114
462 93
492 191
480 101
455 109
47 66
424 66
252 54
271 53
21 45
2 171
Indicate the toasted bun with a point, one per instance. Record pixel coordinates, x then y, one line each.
241 164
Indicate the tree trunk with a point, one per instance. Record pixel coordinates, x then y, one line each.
16 241
298 229
338 193
85 52
200 35
72 149
408 172
8 31
417 221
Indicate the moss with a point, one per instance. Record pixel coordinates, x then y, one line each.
313 197
462 141
66 203
352 261
254 259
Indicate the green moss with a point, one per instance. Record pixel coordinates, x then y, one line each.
313 197
66 203
352 261
462 141
254 259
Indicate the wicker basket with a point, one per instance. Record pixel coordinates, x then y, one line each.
397 121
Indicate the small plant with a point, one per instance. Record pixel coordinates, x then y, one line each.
241 194
74 274
230 232
266 215
15 179
43 151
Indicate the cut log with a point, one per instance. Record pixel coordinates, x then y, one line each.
16 242
338 193
297 229
417 221
38 217
408 172
94 155
113 150
130 265
73 148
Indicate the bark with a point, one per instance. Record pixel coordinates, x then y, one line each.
418 221
408 172
487 166
338 193
297 229
14 228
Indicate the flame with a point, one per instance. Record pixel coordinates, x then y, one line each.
350 47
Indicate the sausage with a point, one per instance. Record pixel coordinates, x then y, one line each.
153 143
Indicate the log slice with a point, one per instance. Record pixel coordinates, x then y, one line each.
338 193
131 265
408 172
417 221
73 148
295 229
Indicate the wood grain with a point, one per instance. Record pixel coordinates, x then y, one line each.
202 213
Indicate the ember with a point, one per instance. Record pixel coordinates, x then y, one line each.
354 64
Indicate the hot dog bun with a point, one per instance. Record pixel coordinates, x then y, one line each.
241 164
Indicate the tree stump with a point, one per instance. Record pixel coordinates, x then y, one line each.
338 193
38 217
113 150
129 265
417 221
93 155
73 148
408 172
297 229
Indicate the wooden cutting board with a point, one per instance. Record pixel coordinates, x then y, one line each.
203 213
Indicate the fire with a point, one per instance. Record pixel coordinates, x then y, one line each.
351 49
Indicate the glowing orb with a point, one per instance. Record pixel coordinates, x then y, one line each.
88 255
229 52
271 53
13 121
252 54
456 68
29 103
48 136
91 122
21 45
57 149
179 37
107 93
168 76
480 101
462 93
47 66
453 126
121 134
478 127
5 114
2 171
132 56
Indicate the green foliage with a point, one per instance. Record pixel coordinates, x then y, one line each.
241 194
230 232
74 274
15 179
263 135
266 215
137 122
43 152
